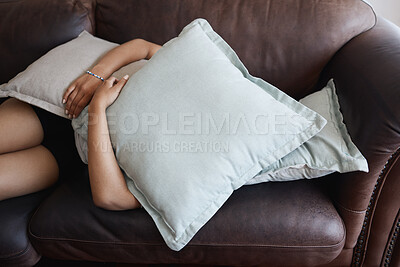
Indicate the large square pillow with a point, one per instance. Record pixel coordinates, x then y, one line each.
44 82
192 125
331 150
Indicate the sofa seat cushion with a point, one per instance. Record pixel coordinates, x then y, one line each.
267 221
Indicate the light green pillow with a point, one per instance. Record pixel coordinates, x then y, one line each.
331 150
192 125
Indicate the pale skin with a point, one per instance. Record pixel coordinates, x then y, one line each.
28 167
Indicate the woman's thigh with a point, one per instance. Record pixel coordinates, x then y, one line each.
27 171
20 128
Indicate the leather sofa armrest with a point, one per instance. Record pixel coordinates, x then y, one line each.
366 72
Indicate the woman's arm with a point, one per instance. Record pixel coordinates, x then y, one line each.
81 91
124 54
109 189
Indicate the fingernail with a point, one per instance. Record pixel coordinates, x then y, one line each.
64 101
70 116
73 116
66 112
126 77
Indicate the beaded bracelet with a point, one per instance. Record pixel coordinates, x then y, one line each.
97 76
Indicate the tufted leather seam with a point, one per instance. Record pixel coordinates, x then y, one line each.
362 242
393 237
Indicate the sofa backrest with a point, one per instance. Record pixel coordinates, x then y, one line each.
286 42
28 29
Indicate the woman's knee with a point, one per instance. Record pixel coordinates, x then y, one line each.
49 163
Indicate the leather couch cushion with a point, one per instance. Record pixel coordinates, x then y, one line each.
286 44
29 29
258 224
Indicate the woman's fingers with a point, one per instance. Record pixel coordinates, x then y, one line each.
67 93
121 83
81 105
115 90
110 81
76 105
76 97
70 101
79 93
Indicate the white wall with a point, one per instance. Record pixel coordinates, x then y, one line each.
389 9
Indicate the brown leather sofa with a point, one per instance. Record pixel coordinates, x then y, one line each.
298 45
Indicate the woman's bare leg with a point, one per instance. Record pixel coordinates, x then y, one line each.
27 171
25 165
20 127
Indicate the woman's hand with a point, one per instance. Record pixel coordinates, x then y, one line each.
81 91
108 92
79 94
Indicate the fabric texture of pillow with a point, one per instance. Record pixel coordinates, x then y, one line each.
44 82
331 150
192 125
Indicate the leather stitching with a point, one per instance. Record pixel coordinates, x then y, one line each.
387 257
189 245
362 241
349 210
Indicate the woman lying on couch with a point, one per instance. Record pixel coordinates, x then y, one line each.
28 166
